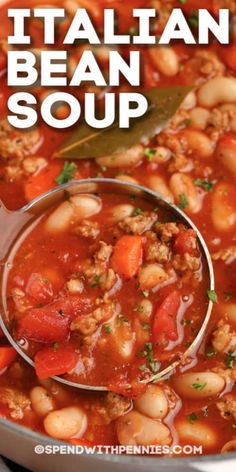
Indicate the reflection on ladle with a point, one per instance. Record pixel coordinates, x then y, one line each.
18 225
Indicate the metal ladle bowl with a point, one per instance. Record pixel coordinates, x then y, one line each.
14 224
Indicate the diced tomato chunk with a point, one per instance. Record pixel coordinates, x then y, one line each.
7 356
127 256
51 323
164 328
39 288
52 361
185 242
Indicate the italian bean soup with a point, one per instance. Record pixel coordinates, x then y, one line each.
107 289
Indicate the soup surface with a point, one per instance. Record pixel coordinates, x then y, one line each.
192 163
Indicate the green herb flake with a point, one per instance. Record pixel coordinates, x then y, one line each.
212 295
142 367
150 153
139 309
199 386
133 31
227 296
146 326
108 329
210 352
205 184
96 279
230 359
193 19
137 212
184 123
67 173
55 346
183 201
192 417
183 1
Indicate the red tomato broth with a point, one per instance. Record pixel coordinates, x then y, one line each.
13 192
46 297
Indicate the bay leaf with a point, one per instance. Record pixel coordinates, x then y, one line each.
86 142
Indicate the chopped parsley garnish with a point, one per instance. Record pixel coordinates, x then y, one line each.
193 19
142 367
108 329
132 198
183 201
212 295
227 296
208 186
55 346
230 359
133 31
199 386
192 417
150 153
67 173
146 326
139 309
183 1
210 352
121 320
137 212
96 279
184 123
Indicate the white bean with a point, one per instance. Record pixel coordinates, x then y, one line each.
151 276
197 385
230 446
75 209
226 155
66 423
223 210
124 341
146 309
128 158
189 101
199 117
119 212
196 433
153 403
216 91
182 184
163 154
136 429
229 309
158 185
165 60
41 400
198 142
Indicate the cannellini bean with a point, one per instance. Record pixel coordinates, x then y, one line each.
124 341
226 154
41 400
158 185
165 60
66 423
75 209
119 212
199 117
153 403
135 429
216 91
146 308
33 164
151 276
230 446
197 385
128 158
189 101
198 142
182 184
127 178
229 309
197 433
223 210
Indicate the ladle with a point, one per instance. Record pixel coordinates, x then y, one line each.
15 225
